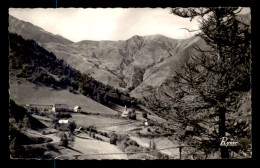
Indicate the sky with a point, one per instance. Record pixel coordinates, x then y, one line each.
115 24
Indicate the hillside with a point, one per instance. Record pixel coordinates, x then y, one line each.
132 65
30 31
137 65
30 61
24 92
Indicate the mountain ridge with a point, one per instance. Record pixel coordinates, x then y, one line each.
31 31
129 65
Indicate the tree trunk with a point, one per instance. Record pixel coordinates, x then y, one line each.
222 132
222 110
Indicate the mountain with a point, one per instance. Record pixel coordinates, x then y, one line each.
30 31
137 65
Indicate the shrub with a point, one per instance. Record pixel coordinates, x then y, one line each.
132 115
72 126
105 134
64 140
92 129
113 139
133 143
144 114
71 137
63 115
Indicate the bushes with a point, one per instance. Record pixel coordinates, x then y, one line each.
64 141
124 142
132 115
92 134
113 139
72 126
63 115
92 129
102 133
144 115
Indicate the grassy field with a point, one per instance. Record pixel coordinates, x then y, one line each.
89 146
94 120
29 93
161 143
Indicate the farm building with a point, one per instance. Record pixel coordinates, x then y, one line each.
128 113
60 108
77 109
146 122
63 121
125 112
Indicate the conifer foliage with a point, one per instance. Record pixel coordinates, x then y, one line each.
210 85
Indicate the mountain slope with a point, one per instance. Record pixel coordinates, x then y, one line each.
136 65
30 31
28 60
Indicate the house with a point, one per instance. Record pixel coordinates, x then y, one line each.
77 109
146 122
125 112
63 121
60 108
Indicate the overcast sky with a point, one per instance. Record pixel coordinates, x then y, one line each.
78 24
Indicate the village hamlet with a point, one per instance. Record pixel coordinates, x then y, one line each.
130 83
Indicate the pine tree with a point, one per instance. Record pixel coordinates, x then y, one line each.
209 87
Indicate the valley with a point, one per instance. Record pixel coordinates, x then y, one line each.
84 145
122 99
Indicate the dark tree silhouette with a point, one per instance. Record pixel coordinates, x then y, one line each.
64 141
209 87
72 126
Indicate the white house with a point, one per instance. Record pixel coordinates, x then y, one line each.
146 122
77 109
63 121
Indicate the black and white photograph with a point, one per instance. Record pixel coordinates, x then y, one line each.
140 83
